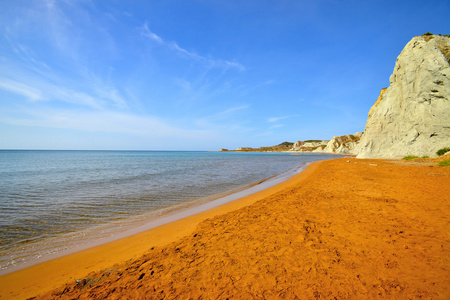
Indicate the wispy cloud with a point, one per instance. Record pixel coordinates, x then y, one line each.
27 55
59 71
276 126
21 89
232 110
225 119
153 36
172 45
250 89
103 121
59 29
36 90
55 68
111 94
276 119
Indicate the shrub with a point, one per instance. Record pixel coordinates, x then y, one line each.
427 34
442 151
312 141
410 157
445 163
425 156
286 144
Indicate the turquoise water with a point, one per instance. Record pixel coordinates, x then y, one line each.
46 195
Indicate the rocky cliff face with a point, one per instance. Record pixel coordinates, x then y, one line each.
344 144
311 146
412 116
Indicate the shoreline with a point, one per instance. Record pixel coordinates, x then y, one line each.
106 233
344 228
127 245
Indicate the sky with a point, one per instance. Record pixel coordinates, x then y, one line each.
197 74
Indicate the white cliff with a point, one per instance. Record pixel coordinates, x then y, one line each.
309 146
344 144
412 116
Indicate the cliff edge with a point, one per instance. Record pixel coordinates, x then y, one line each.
412 116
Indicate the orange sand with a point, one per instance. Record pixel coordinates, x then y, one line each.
344 228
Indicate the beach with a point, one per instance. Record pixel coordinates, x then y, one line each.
345 228
57 202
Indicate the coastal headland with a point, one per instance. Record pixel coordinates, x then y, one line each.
343 228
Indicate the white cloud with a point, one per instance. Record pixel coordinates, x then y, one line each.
74 97
276 119
220 117
112 95
57 83
227 121
36 90
104 121
276 126
233 109
22 89
27 72
172 45
60 29
146 32
181 51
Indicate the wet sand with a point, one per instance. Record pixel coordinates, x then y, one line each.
344 228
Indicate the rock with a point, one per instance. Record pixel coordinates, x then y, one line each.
309 146
344 144
358 135
245 149
412 115
297 145
339 144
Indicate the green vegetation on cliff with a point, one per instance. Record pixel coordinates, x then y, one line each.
442 151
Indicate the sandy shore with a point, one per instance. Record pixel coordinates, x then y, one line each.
344 228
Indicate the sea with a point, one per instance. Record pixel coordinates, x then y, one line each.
54 201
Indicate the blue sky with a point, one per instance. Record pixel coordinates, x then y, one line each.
197 75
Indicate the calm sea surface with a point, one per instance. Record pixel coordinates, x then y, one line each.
50 200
